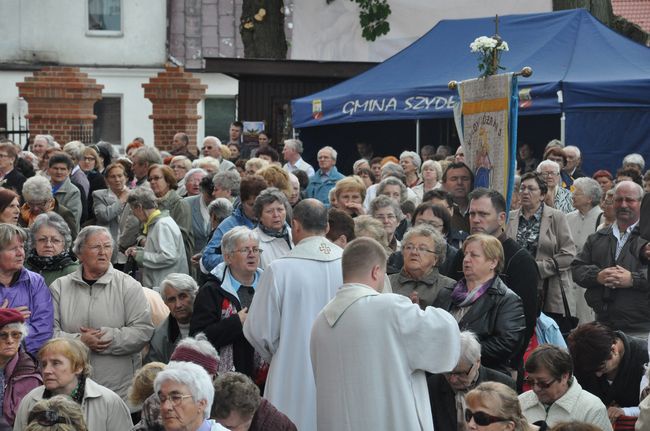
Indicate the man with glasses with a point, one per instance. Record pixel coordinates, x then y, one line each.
447 391
610 268
370 351
556 396
291 292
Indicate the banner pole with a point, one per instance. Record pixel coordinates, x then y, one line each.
417 136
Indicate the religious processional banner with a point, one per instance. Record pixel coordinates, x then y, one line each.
486 120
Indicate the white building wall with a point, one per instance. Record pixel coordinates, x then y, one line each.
331 32
39 31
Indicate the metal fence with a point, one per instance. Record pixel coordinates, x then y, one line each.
17 131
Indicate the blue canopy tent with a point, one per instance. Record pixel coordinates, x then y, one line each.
604 79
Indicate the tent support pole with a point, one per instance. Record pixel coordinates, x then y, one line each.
563 128
417 136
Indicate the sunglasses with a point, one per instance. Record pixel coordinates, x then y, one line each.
482 419
542 385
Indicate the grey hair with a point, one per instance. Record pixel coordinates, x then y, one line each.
234 235
187 163
358 163
417 161
268 196
193 376
85 233
573 148
220 207
392 181
435 165
49 138
8 232
74 149
590 188
366 226
22 327
55 221
638 188
209 161
30 158
550 163
470 348
635 159
391 169
37 188
180 282
256 163
229 180
142 197
439 243
555 143
199 343
149 155
294 144
212 139
382 201
332 151
194 171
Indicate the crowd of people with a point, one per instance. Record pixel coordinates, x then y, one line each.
225 289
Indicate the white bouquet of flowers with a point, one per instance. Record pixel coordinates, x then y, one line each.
489 50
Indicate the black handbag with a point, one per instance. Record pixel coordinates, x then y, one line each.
566 322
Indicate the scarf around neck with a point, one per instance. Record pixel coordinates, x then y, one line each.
50 263
461 297
284 233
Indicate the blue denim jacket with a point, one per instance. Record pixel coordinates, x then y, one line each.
319 186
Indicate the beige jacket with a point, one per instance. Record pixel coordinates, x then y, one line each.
103 410
115 304
555 241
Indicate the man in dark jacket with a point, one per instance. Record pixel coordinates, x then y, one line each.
610 268
447 391
238 405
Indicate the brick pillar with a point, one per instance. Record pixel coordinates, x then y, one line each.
60 103
174 95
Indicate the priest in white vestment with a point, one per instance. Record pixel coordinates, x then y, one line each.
370 351
291 292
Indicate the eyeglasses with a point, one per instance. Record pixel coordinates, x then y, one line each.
549 174
481 418
89 159
44 240
410 248
429 223
99 247
542 385
37 204
4 336
175 399
460 373
247 250
384 217
47 418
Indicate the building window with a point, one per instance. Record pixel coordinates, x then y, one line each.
219 113
108 124
105 17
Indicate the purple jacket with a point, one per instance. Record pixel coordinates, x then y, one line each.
30 290
21 376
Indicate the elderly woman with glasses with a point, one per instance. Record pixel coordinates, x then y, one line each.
271 209
544 232
92 165
185 392
387 211
66 371
483 304
221 306
37 192
557 196
105 309
423 249
23 289
163 250
494 406
51 242
556 396
19 371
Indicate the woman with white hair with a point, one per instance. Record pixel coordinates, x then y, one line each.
178 292
186 394
221 306
431 173
410 162
387 211
189 186
557 196
37 193
19 371
105 309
